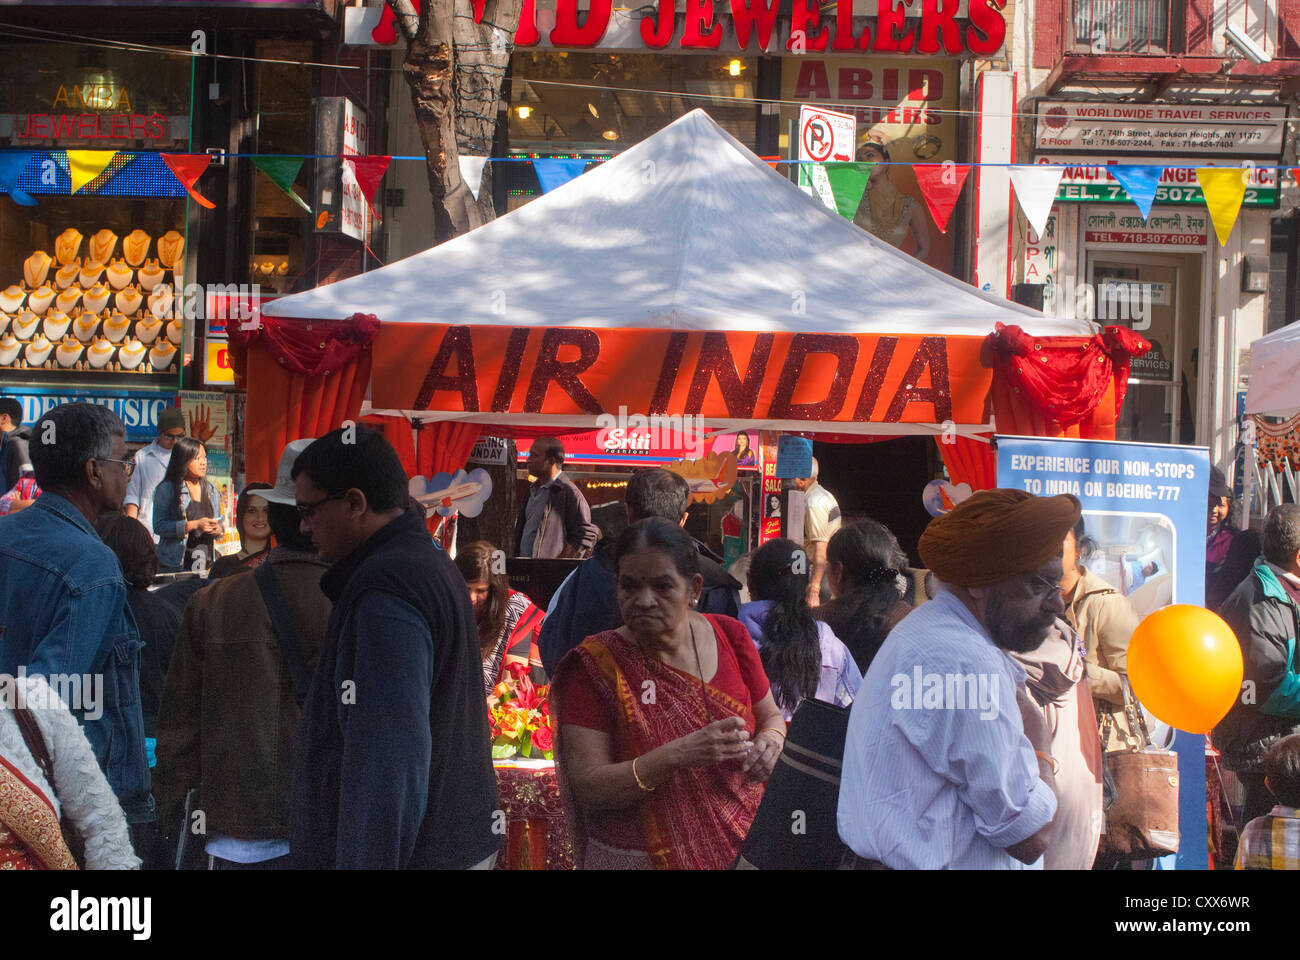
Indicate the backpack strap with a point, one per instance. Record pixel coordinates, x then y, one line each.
282 627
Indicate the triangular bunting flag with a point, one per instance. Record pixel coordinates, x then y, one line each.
848 183
188 167
1139 183
369 171
12 164
556 173
86 165
283 171
471 171
1036 185
1224 189
940 185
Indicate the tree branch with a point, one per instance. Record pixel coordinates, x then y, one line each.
408 21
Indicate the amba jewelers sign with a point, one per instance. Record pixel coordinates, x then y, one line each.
91 111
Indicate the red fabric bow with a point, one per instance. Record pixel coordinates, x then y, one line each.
1064 377
309 347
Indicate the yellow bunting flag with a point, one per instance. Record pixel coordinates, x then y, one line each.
86 165
1224 189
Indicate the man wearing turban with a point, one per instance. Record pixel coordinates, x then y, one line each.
947 762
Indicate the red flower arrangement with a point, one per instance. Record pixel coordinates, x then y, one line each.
520 718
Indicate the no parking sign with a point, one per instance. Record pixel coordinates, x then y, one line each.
825 136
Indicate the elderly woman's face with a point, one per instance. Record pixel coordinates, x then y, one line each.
653 597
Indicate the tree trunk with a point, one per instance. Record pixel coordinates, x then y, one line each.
455 68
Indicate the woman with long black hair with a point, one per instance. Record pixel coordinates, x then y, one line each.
863 567
508 622
802 657
186 510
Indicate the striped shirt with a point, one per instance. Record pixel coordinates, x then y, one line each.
938 773
1271 842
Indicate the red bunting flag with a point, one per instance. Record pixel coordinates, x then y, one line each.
941 184
187 168
369 171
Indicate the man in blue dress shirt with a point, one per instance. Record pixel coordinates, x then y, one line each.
947 764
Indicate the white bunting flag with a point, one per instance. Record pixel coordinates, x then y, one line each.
1036 185
471 171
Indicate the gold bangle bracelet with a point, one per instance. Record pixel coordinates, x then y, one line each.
1052 762
639 782
779 733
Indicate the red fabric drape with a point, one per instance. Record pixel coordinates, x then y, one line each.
969 461
302 380
444 446
284 406
1060 386
397 431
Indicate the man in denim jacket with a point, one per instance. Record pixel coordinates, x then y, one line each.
63 611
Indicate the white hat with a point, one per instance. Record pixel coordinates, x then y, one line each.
283 491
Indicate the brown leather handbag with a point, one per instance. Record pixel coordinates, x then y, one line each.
1142 819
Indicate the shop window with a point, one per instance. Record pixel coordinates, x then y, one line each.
616 100
93 282
1129 26
280 227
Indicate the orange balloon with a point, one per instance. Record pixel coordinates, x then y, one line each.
1185 666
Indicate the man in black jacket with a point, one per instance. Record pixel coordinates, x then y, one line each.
393 763
586 604
1264 613
555 520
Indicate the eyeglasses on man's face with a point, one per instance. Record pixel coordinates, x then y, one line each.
128 466
1043 587
305 510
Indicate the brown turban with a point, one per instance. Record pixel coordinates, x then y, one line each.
995 535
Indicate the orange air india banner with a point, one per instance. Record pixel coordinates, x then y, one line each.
572 371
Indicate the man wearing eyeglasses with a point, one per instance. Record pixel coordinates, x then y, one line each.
63 611
948 762
151 467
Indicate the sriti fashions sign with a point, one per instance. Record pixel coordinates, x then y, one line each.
569 371
1161 128
856 26
1086 181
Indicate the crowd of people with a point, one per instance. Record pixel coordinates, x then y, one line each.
318 699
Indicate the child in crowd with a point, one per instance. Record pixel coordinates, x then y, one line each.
1272 842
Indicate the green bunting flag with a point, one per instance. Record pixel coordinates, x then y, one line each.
283 171
839 185
848 183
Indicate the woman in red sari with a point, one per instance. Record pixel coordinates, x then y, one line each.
49 776
667 728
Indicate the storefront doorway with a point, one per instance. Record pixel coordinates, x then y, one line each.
1160 297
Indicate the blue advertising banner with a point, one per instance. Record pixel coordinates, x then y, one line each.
138 409
1144 506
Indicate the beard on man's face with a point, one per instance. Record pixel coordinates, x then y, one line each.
1015 628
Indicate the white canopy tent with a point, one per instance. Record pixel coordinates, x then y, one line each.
686 231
